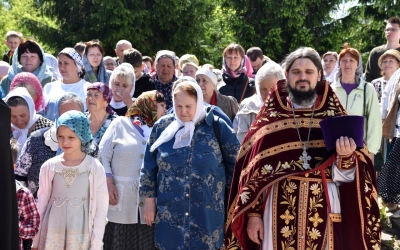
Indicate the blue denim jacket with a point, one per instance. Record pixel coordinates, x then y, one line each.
189 184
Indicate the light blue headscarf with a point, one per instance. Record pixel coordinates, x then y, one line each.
41 73
80 125
56 112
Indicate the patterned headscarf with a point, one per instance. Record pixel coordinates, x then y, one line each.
102 75
31 79
106 91
145 108
234 74
80 125
75 56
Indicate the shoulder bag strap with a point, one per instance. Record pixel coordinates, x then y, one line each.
365 109
244 90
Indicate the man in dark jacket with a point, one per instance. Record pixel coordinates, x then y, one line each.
392 33
143 81
257 58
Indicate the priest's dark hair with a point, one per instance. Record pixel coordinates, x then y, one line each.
302 52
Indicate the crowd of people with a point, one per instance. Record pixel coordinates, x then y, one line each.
131 152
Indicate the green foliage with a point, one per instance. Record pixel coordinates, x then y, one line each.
3 27
148 25
200 27
217 35
14 16
366 23
279 27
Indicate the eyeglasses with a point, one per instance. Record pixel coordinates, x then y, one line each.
109 64
96 96
391 29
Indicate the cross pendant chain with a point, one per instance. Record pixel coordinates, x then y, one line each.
305 158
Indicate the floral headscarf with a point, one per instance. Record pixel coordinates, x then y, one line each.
31 79
106 91
145 108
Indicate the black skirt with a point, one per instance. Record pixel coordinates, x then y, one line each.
389 177
128 237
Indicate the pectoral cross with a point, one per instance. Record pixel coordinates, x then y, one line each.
305 158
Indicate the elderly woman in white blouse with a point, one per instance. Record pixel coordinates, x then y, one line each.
267 77
121 153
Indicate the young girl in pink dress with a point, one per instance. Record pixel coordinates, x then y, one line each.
73 196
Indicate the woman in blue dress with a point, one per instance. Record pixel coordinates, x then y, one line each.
187 172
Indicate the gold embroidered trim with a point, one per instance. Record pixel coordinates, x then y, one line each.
335 217
360 205
319 180
279 149
274 215
70 174
66 200
302 212
254 215
274 127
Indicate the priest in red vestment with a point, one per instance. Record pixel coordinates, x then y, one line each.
291 188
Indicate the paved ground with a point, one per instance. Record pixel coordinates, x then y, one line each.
390 231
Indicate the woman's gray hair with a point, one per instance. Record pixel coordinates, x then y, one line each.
109 57
70 98
124 70
270 69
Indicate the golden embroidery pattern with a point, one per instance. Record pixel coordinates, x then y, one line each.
280 149
274 127
313 216
346 162
288 232
374 224
70 174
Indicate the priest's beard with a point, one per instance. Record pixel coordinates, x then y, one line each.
303 98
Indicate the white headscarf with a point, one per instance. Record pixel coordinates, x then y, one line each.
122 68
22 134
184 130
331 77
392 87
209 74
